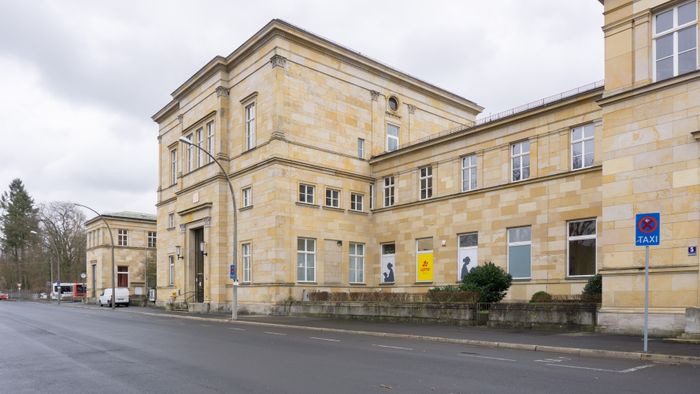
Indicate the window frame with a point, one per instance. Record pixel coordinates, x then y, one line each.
171 270
247 196
173 166
337 198
360 148
673 31
357 202
211 142
171 220
390 137
306 253
152 239
520 156
247 259
581 141
569 238
306 194
425 182
122 273
190 153
359 264
122 237
249 117
391 189
200 144
468 169
371 196
519 243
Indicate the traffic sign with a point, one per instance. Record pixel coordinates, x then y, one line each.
692 250
232 272
647 229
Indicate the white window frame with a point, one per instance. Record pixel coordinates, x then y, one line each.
357 202
308 254
171 270
673 31
173 166
356 263
190 153
308 192
200 143
520 156
122 237
519 243
426 183
582 141
171 220
211 143
361 148
579 238
427 251
246 254
392 137
469 171
250 126
152 239
247 196
334 200
389 190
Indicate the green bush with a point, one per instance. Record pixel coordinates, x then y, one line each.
594 287
541 296
451 293
490 280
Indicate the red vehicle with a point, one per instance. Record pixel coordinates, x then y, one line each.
69 291
4 296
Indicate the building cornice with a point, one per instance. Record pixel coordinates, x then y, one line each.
118 219
614 97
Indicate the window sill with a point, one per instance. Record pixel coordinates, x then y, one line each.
245 208
357 284
387 284
337 209
301 282
522 279
358 212
582 278
306 204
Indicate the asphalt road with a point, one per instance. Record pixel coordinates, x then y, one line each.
71 349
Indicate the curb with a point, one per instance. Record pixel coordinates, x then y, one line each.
652 357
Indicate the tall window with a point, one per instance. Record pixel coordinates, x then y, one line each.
582 147
246 253
93 278
122 276
171 270
122 237
675 41
520 154
371 196
357 262
210 140
200 143
247 197
171 220
388 191
306 194
151 239
582 247
426 182
190 154
356 201
333 198
392 137
361 148
468 173
250 126
173 166
306 260
519 252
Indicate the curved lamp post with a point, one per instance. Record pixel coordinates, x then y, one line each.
234 301
111 239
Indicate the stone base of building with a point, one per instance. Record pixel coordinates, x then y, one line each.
662 323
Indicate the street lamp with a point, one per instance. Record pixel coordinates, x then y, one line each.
234 301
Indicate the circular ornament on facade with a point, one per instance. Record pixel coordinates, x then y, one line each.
393 103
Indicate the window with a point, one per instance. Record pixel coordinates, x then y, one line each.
357 262
247 197
467 254
122 237
519 252
210 140
306 260
424 260
122 276
582 247
306 194
200 144
582 147
333 198
388 263
190 154
171 220
392 137
93 279
245 252
361 148
468 173
250 126
520 154
426 182
675 41
356 201
388 191
371 196
171 270
151 239
173 166
393 103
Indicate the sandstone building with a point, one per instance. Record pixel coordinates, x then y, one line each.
352 176
135 241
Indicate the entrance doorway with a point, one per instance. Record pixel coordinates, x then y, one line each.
198 265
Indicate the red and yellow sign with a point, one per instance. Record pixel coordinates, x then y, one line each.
424 267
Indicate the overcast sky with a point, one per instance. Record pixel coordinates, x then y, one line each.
79 80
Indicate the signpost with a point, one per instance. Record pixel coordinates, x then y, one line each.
234 277
647 230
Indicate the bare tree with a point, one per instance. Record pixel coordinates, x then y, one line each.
63 230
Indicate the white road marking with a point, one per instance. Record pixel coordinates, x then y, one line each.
326 339
236 329
602 369
274 333
636 368
487 357
393 347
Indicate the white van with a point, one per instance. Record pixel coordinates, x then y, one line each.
106 297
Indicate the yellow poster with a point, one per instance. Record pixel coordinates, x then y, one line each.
424 267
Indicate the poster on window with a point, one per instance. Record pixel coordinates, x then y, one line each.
466 260
388 269
424 267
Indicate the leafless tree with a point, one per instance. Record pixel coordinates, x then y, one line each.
63 230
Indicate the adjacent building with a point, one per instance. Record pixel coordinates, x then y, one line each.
352 176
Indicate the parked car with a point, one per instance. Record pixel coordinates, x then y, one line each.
121 299
43 296
4 296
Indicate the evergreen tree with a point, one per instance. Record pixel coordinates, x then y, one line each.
17 221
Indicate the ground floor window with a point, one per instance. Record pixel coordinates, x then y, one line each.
246 252
582 247
520 252
467 254
388 263
357 262
424 260
94 279
171 270
306 260
122 276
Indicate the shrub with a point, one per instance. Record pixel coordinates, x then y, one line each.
541 296
594 287
451 293
490 280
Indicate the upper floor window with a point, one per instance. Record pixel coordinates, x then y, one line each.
361 148
190 154
426 182
247 197
122 237
210 140
151 239
582 147
356 201
468 173
250 126
371 196
392 137
520 155
306 193
675 41
388 191
171 220
173 166
333 198
200 143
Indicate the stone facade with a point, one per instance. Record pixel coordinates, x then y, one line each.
132 251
